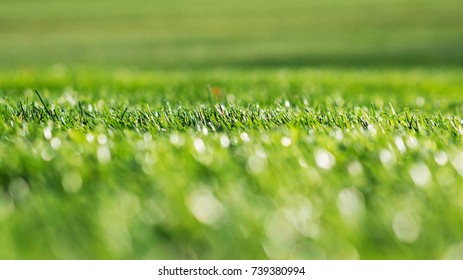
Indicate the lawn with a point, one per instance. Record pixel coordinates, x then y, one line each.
243 33
220 130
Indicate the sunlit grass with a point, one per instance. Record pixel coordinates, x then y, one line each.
338 164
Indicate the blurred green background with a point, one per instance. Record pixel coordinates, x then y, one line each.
240 33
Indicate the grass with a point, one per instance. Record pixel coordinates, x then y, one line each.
162 34
231 130
233 164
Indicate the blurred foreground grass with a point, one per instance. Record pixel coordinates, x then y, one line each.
310 164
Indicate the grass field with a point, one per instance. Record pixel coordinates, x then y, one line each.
231 130
219 33
278 164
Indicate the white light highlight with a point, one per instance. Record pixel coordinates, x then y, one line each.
206 208
324 159
103 154
420 174
199 145
406 228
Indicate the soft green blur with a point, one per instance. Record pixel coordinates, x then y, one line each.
244 129
219 33
297 164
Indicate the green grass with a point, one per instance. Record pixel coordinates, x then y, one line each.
232 164
211 33
231 129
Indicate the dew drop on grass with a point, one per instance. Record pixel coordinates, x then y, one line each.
441 158
386 157
224 141
55 143
141 145
177 140
47 133
420 174
256 164
103 154
102 139
199 145
147 137
303 216
371 130
70 99
411 142
234 140
46 154
286 141
400 144
245 137
149 159
206 208
89 137
265 138
355 168
338 135
324 159
298 209
406 228
71 182
351 203
260 152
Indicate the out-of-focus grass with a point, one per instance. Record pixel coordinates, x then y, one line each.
209 33
236 164
335 164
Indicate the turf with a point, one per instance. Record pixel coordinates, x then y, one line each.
211 33
231 130
234 164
